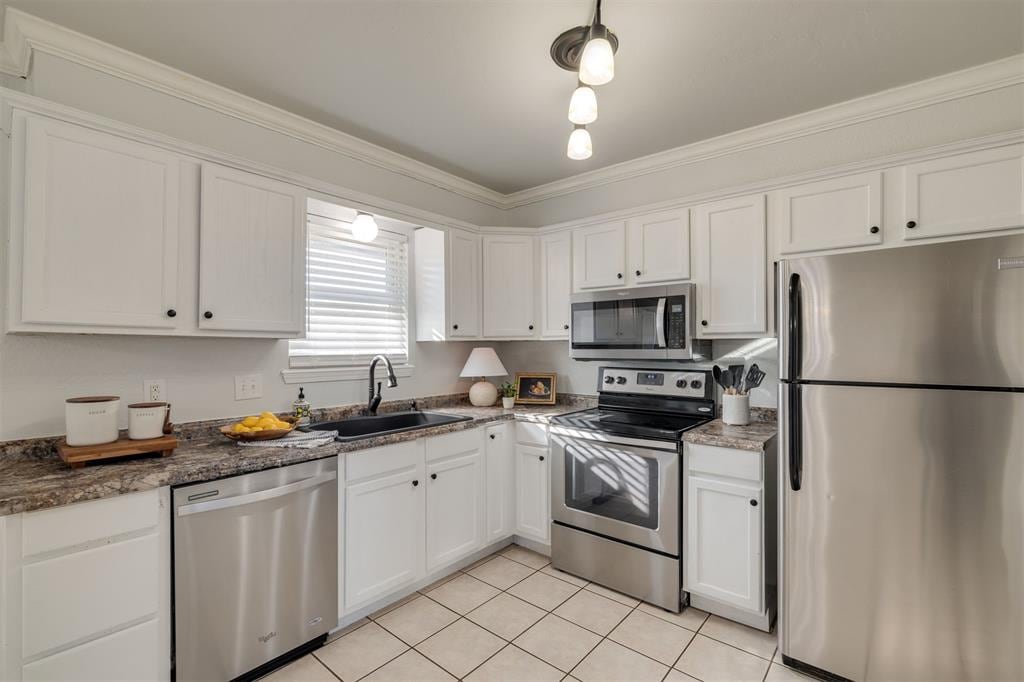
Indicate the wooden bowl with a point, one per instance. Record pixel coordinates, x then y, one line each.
273 434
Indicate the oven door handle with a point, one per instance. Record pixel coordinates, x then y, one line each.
659 323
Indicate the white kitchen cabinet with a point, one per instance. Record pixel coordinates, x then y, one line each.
555 263
658 247
456 511
86 593
731 247
94 231
252 253
464 283
966 193
384 521
599 256
533 503
838 213
447 281
501 472
508 286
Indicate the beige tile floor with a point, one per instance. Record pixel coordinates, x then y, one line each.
511 617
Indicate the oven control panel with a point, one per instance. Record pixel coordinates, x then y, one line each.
695 383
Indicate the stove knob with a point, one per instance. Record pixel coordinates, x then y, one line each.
620 380
696 383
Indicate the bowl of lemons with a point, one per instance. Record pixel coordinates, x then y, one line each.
265 426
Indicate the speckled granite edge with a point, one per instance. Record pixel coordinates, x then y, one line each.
755 436
33 477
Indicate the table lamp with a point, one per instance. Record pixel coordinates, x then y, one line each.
483 362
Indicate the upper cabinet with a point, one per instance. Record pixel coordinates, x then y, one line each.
555 263
447 284
599 256
732 260
94 240
252 251
658 247
508 292
831 214
975 192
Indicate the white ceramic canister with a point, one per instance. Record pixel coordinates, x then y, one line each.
147 420
736 409
91 420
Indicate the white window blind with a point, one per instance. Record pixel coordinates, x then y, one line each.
357 297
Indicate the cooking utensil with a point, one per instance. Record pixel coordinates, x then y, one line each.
754 376
727 379
716 372
737 376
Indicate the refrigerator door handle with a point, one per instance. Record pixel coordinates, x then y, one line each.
794 327
794 437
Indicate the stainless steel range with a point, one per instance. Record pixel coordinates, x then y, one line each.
616 482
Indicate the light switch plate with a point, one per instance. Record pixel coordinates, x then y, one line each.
248 386
154 390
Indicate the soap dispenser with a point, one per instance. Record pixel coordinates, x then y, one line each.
300 408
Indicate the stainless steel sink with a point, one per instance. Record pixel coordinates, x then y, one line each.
355 428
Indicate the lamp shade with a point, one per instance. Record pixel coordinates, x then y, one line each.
483 362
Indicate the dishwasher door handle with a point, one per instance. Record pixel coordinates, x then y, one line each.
259 496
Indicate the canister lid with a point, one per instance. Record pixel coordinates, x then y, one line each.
145 405
94 399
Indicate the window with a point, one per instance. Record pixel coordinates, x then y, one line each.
357 297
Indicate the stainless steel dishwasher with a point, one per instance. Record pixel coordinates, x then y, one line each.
255 569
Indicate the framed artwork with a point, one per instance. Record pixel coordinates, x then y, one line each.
535 388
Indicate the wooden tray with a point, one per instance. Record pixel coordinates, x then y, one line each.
261 435
79 456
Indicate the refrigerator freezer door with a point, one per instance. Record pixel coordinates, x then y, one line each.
903 550
937 314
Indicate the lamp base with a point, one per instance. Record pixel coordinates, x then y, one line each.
483 394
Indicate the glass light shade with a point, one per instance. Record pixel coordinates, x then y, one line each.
583 105
580 147
597 64
364 227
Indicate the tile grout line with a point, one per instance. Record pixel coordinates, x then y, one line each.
317 659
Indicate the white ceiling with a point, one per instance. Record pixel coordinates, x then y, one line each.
469 87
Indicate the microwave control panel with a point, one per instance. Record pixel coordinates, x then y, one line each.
666 382
675 327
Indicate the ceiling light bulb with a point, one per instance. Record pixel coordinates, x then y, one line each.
364 227
583 105
580 147
597 64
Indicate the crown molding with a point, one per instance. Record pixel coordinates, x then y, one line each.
24 33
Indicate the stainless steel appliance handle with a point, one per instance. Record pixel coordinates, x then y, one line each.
259 496
659 323
794 436
794 328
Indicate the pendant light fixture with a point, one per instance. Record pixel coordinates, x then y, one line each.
364 227
590 52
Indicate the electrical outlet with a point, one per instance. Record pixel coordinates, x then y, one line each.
154 390
248 386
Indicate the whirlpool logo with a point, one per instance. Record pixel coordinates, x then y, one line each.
267 637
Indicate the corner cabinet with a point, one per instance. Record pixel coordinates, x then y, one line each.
732 260
448 283
509 296
252 253
555 263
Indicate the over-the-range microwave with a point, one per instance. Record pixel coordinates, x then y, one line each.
646 323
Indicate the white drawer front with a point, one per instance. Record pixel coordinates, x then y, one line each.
531 433
742 464
82 594
451 444
75 524
376 461
130 654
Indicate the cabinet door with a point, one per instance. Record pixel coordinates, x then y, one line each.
732 252
555 284
966 193
533 497
659 247
599 256
463 284
723 542
455 508
98 233
508 286
832 214
500 482
383 536
252 253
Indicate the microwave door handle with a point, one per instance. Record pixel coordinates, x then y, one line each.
659 323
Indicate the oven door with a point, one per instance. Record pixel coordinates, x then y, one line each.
622 488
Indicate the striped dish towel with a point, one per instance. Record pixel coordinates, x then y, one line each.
295 439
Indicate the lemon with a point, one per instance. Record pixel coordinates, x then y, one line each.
267 423
250 421
283 425
268 415
256 428
240 428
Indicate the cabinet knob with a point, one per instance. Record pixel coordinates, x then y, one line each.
542 458
565 327
911 224
619 275
753 503
874 229
703 323
415 483
531 327
208 315
637 273
433 477
455 326
492 436
172 312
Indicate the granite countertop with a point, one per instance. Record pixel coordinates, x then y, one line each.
755 436
33 477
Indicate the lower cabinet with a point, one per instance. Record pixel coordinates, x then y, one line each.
456 512
533 497
501 472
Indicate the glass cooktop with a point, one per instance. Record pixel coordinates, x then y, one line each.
654 425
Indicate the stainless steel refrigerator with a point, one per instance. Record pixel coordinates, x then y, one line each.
902 421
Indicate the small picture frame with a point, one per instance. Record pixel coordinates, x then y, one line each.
535 388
